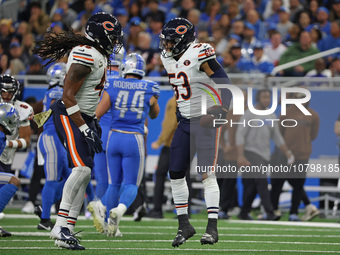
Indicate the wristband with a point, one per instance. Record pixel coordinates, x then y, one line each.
23 143
14 144
73 109
83 127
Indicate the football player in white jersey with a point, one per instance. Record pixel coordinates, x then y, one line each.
21 136
74 114
194 72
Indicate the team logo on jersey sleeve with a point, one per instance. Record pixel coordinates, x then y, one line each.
187 62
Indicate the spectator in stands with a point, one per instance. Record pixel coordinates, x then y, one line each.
220 40
154 10
331 41
247 5
88 9
335 68
259 63
253 148
284 22
39 20
299 140
35 68
6 30
194 16
154 29
28 45
224 24
212 14
21 31
312 8
295 8
304 21
249 40
297 51
316 36
275 49
185 7
69 15
15 51
271 15
233 12
229 63
293 36
136 26
4 64
320 70
237 28
253 18
335 11
322 16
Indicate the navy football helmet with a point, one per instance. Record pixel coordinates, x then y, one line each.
9 85
133 64
106 31
177 34
56 74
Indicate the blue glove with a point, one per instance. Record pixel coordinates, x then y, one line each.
91 138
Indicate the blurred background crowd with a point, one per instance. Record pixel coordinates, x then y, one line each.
248 35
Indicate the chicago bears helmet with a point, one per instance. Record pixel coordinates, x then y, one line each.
9 85
176 36
133 64
106 31
56 74
9 117
117 58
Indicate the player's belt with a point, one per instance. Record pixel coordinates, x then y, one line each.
125 132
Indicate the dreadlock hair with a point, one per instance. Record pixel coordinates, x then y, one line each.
55 46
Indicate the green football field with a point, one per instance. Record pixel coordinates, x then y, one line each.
155 236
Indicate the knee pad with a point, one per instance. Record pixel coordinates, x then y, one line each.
84 172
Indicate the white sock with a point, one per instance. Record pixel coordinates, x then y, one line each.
180 193
212 196
121 208
75 181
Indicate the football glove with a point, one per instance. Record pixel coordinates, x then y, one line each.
92 140
219 111
98 127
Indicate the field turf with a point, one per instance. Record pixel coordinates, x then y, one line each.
154 237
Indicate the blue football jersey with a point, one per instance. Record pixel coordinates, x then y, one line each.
105 120
130 103
51 94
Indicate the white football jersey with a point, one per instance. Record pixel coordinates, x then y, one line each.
25 112
190 84
89 94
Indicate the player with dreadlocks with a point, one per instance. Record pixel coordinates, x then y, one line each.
73 114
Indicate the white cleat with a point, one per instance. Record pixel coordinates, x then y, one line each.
118 233
112 222
311 212
28 207
98 211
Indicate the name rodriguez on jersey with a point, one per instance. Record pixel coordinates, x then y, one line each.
130 85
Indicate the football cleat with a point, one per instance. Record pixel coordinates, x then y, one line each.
211 235
4 233
183 234
98 211
112 222
63 234
139 213
69 246
48 225
38 210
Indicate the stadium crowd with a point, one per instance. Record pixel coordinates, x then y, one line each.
248 36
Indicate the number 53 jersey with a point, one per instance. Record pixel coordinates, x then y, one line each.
130 103
191 85
89 94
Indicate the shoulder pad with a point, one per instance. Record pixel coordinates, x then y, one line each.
206 51
25 110
84 55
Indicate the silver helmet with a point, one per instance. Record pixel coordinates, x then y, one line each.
9 117
56 74
133 64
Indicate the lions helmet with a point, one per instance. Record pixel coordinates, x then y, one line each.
56 74
117 58
176 36
9 85
106 31
9 117
133 64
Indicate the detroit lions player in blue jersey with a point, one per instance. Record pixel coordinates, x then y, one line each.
9 184
131 99
54 156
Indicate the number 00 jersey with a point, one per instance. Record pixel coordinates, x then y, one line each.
89 94
190 84
130 103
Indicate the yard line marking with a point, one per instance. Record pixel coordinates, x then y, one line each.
169 241
176 227
172 249
163 233
276 223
